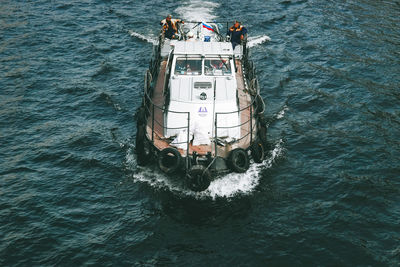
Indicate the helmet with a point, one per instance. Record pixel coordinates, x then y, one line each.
190 34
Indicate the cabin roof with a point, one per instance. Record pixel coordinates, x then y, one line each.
203 48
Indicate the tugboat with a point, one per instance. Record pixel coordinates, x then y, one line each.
202 114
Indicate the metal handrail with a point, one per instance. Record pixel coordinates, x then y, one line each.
147 100
250 106
163 109
155 68
175 143
235 126
230 112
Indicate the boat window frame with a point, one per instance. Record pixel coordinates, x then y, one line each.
220 57
194 57
202 59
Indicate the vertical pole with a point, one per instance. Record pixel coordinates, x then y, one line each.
244 49
188 142
152 123
251 123
216 115
227 27
215 139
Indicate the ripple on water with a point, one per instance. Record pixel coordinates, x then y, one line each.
71 78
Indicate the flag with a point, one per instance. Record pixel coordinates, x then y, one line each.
208 27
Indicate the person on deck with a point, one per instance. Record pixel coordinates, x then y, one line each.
169 26
237 33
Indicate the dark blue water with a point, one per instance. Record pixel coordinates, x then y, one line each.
71 76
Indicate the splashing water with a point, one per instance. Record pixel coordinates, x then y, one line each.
150 39
257 40
227 186
193 10
196 10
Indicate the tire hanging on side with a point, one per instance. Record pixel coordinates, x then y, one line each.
143 148
198 178
262 131
140 116
238 160
169 160
257 151
259 104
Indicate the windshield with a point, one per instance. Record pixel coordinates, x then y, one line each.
217 66
188 66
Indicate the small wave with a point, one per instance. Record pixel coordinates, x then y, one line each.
105 68
257 40
227 186
17 170
197 10
149 39
105 97
281 113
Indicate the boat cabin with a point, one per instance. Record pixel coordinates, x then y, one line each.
202 82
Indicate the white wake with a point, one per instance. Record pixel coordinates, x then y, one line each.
227 186
257 40
197 10
150 39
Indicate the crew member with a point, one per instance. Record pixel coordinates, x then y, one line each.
237 33
170 26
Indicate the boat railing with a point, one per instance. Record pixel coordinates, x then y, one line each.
151 107
253 108
249 122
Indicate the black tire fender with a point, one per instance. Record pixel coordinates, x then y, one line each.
238 160
262 131
141 116
143 148
259 104
198 178
169 160
257 151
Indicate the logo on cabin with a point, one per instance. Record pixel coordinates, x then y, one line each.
202 111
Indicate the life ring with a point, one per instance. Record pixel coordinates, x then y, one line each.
169 160
143 149
238 160
257 151
198 178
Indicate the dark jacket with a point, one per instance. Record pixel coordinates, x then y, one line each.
235 33
170 28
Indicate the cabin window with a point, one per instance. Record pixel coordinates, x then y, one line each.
188 66
217 66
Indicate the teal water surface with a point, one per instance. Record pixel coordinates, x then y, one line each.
71 78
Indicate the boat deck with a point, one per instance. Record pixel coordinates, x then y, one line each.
160 142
